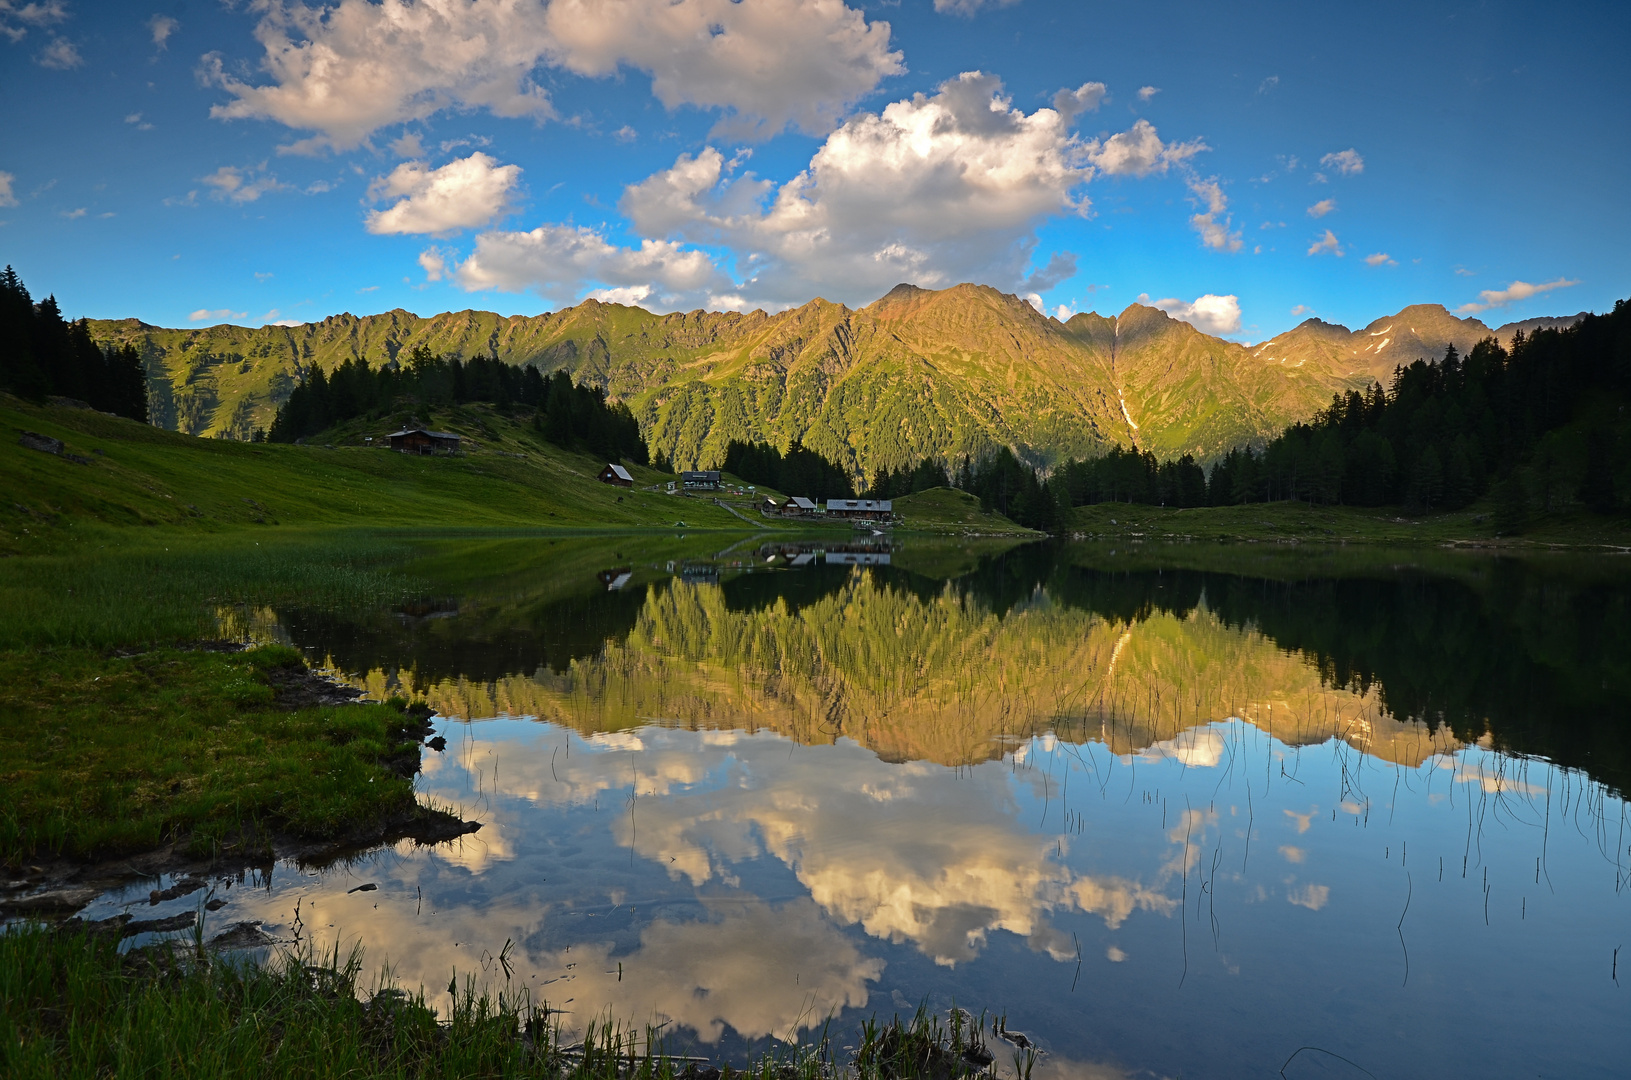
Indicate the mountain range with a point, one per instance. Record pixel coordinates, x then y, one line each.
918 373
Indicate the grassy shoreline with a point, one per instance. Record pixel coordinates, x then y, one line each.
111 755
1293 522
72 1006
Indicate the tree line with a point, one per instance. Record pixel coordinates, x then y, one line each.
1535 426
800 471
571 416
43 354
926 474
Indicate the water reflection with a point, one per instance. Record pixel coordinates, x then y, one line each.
1171 820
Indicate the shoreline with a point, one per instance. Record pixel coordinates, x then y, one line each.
175 752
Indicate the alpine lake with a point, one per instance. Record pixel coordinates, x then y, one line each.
1170 810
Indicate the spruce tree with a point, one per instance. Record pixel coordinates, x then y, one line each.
1597 484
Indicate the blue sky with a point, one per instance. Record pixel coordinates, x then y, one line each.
1247 166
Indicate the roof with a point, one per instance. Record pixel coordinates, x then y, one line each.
620 472
802 503
879 506
422 431
706 474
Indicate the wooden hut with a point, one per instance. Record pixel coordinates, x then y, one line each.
861 509
616 474
421 441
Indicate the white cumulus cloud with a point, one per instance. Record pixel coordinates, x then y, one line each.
768 63
557 259
1381 258
1213 223
463 194
16 19
61 55
7 196
936 189
1139 151
218 315
162 26
347 70
1347 162
1321 208
433 263
241 185
968 7
1518 290
1210 314
408 145
1145 93
1328 242
1085 98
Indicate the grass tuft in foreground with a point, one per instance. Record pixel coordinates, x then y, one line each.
72 1006
103 755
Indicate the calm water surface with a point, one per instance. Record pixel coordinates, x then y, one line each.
1173 812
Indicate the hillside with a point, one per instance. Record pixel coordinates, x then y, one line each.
916 373
116 472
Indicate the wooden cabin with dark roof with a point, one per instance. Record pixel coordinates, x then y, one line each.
421 441
616 474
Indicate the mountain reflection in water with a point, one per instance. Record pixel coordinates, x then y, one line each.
1171 820
1396 660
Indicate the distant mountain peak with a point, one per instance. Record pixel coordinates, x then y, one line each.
904 291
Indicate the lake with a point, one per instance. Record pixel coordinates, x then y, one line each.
1173 811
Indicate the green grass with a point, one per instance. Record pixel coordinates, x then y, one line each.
1304 522
167 585
105 755
71 1006
138 475
949 510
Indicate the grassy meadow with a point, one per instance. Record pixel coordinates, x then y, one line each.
110 755
137 475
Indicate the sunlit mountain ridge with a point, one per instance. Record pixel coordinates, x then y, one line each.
918 373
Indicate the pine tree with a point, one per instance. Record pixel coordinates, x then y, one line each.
1597 484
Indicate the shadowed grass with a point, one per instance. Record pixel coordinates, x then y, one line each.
1307 523
71 1006
104 755
163 587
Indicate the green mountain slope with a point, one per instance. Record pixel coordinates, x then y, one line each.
1186 392
917 373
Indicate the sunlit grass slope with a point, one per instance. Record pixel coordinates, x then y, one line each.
139 475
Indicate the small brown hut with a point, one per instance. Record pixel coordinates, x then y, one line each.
421 441
616 474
